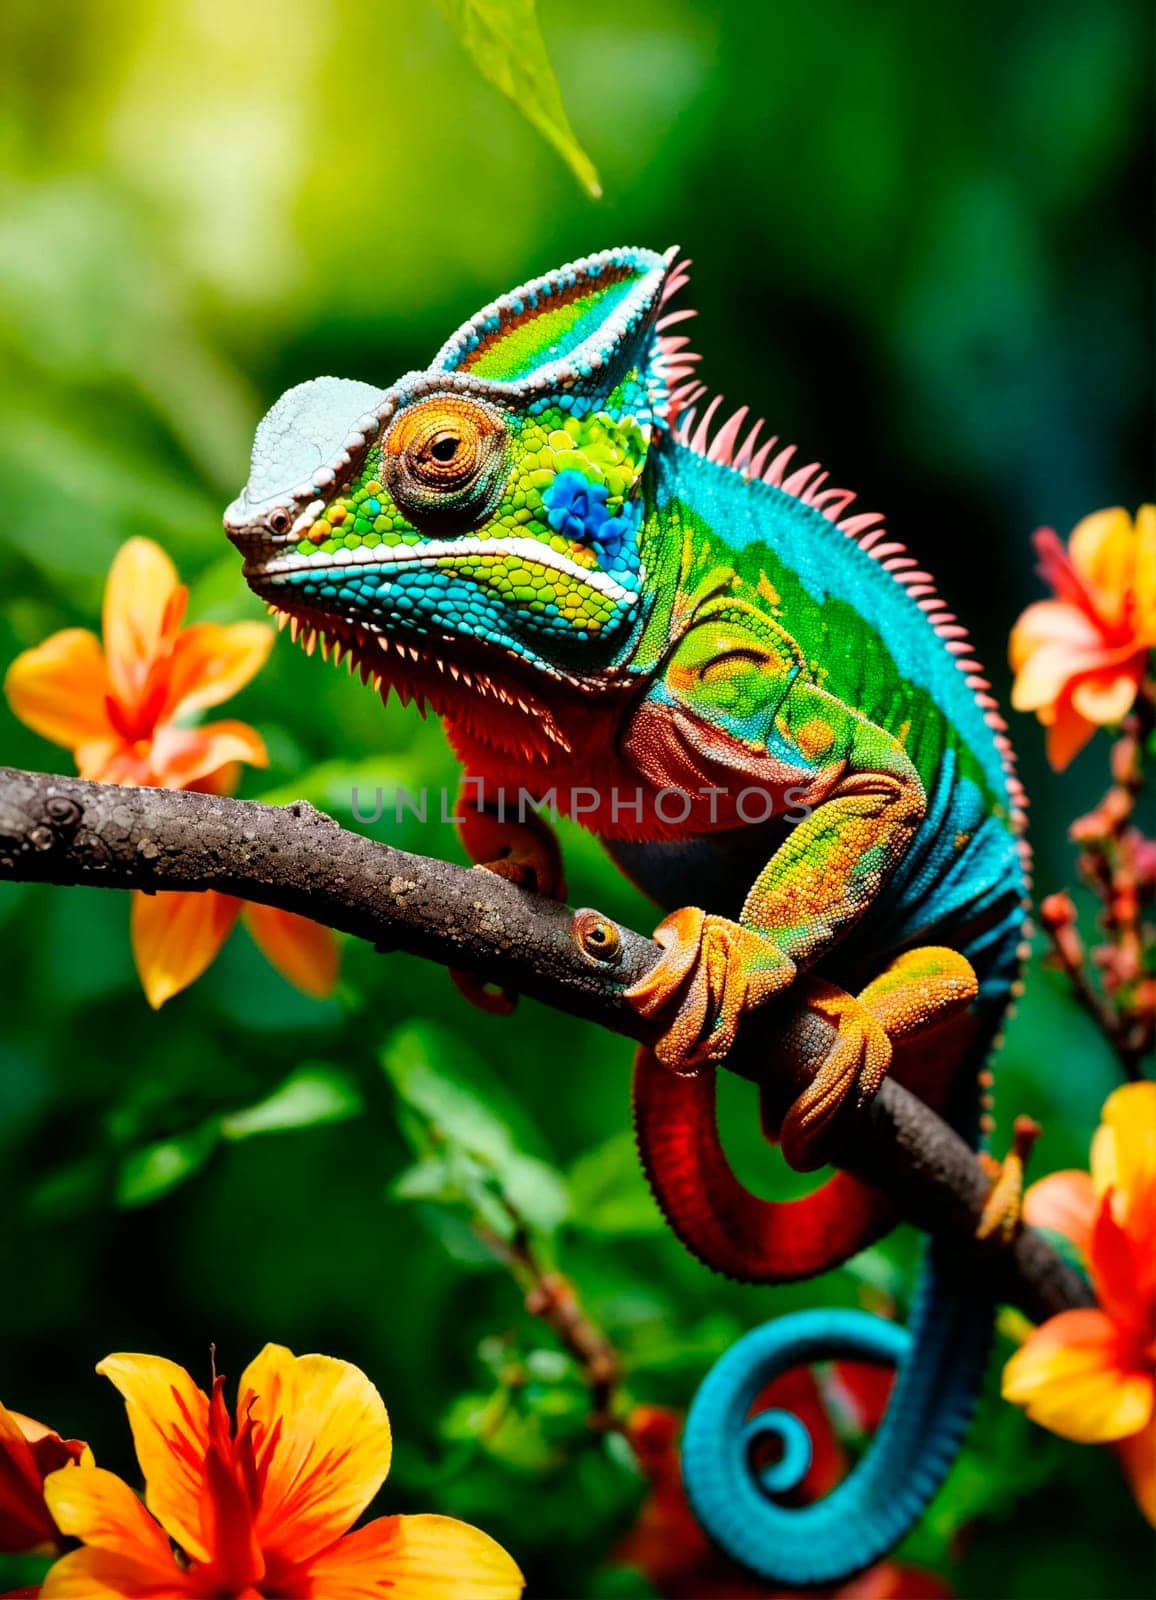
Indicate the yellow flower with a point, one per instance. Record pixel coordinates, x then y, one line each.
260 1506
1091 1375
119 706
1079 659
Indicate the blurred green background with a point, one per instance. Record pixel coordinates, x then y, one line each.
922 248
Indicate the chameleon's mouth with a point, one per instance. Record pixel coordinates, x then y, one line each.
383 640
437 673
273 571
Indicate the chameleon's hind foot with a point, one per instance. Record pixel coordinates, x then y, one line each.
857 1063
1003 1208
495 999
712 970
920 990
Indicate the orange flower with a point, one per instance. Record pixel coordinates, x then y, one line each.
1079 659
1091 1375
120 706
28 1453
260 1507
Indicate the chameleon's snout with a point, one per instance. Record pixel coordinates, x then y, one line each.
259 532
308 441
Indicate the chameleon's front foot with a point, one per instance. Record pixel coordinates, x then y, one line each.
711 971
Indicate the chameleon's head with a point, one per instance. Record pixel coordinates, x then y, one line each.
486 512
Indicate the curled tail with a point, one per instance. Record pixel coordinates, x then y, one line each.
940 1359
940 1362
718 1220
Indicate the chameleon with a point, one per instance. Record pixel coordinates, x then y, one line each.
657 619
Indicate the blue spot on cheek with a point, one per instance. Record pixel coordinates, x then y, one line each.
576 508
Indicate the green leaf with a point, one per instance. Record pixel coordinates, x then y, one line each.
468 1154
312 1096
456 1179
417 1059
537 1193
609 1193
499 1425
430 1179
549 1366
457 1236
507 47
147 1174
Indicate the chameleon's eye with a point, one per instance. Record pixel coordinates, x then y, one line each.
443 461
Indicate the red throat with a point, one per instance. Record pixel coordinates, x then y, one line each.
494 713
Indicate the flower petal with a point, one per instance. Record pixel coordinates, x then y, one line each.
210 662
175 936
169 1418
1103 552
59 688
1145 580
114 760
1119 1276
1075 1376
322 1444
49 1451
1138 1458
1052 623
1106 698
303 951
143 606
37 1433
92 1574
1124 1145
24 1518
1065 1202
412 1558
1056 569
1047 670
100 1509
184 758
1068 733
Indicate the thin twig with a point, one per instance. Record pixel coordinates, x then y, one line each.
553 1299
1118 863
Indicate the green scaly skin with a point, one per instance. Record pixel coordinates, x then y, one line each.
793 753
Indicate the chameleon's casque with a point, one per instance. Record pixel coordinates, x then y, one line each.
603 590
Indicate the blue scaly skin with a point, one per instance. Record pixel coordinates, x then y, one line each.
795 755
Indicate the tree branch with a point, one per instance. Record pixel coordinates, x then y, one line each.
68 831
